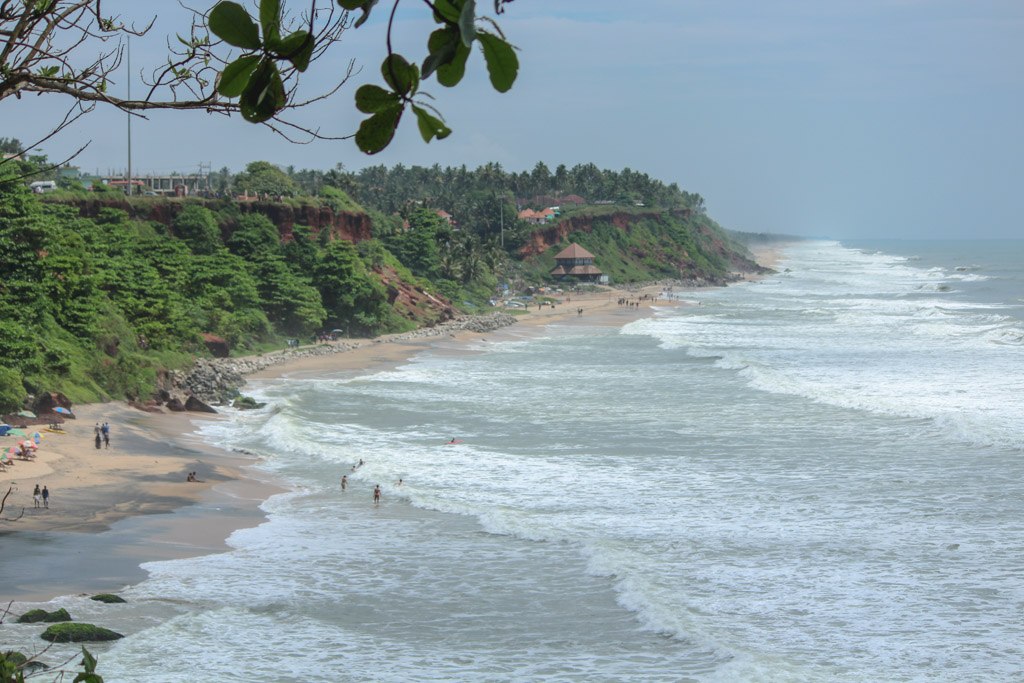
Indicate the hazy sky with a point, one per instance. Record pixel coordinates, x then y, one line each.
840 118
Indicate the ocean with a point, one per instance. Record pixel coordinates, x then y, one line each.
813 477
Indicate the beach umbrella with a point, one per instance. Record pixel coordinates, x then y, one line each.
62 410
17 432
26 413
37 437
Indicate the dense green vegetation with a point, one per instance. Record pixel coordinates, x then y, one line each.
100 293
98 307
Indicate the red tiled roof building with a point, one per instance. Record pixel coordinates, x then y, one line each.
576 262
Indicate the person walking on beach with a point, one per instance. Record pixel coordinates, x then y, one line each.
46 497
344 482
99 441
106 434
37 497
376 494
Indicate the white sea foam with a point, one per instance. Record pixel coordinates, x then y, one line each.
812 478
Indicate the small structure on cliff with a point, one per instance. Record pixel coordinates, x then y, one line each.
576 262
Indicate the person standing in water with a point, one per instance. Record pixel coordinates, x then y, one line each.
344 482
376 494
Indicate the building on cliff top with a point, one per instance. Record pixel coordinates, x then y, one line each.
576 262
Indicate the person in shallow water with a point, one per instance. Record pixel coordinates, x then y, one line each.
344 482
376 494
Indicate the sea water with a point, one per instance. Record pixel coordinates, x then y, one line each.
814 477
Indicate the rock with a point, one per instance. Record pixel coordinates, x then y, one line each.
217 346
46 402
194 405
175 405
78 633
247 403
37 616
147 407
108 598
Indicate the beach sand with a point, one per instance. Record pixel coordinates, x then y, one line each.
112 509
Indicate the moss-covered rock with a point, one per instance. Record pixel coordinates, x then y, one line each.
247 403
78 633
42 616
108 598
13 657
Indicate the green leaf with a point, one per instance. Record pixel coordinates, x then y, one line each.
451 73
264 96
376 132
441 45
298 49
445 10
270 19
430 126
371 99
402 76
365 5
236 76
502 63
467 22
231 23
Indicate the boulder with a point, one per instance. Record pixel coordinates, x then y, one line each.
78 633
175 405
246 403
37 616
217 346
194 405
108 598
147 406
46 402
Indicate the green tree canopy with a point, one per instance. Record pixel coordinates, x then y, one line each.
264 178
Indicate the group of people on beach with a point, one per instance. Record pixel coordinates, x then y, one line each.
41 498
192 476
102 434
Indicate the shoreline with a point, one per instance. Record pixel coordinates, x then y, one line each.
115 509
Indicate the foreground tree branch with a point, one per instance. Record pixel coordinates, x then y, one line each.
234 61
3 504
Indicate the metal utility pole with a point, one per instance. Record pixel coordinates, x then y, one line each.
129 49
502 208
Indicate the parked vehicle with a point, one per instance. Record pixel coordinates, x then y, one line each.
41 186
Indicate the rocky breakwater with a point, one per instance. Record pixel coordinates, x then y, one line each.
216 381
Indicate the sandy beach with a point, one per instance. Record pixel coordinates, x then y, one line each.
111 509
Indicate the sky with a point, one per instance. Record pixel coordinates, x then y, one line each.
843 119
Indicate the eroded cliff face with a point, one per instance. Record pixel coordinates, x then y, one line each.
354 227
413 302
555 234
707 239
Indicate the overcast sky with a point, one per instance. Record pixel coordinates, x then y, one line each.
845 118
